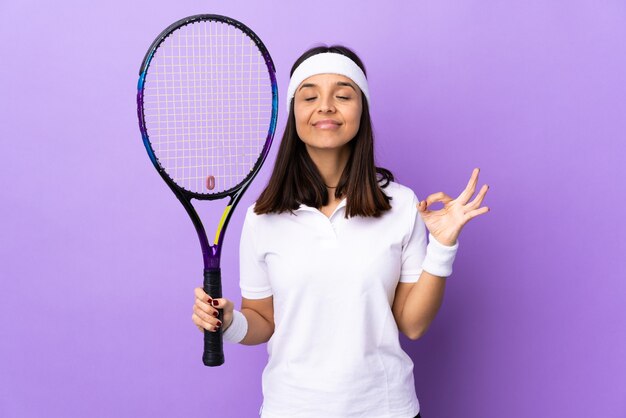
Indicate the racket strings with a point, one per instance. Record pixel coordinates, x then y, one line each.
207 106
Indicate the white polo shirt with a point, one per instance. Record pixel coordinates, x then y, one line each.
335 351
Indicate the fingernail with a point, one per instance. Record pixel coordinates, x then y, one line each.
215 314
219 324
214 302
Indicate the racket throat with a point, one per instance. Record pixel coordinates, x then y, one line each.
220 226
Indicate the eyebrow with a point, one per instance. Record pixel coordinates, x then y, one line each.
338 83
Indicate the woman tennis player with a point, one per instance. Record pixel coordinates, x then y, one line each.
334 258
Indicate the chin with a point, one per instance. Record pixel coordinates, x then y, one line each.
328 146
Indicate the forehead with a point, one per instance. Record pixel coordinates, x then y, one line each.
327 79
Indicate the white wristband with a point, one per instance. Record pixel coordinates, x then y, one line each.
439 257
237 329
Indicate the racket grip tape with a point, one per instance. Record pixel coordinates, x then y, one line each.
213 343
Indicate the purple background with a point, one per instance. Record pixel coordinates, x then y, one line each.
99 260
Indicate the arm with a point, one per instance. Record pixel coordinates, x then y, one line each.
416 304
254 280
260 316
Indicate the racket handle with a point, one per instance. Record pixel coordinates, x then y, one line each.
213 345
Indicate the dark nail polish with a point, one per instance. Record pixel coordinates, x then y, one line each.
214 302
219 324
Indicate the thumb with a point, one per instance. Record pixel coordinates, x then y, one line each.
222 303
227 308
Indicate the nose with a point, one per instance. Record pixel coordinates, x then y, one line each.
326 104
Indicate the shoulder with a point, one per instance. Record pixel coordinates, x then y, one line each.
400 195
253 222
400 220
251 216
254 219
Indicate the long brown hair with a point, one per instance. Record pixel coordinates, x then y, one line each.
296 179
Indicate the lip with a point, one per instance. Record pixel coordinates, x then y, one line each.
327 124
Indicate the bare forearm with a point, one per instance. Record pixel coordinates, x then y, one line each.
422 304
259 329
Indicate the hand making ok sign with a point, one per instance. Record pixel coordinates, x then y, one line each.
446 224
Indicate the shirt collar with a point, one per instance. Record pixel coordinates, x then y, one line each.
304 207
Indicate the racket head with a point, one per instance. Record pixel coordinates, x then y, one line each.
207 104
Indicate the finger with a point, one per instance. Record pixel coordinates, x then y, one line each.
469 190
437 197
221 303
202 303
201 294
209 325
205 307
421 207
475 213
206 315
478 199
204 324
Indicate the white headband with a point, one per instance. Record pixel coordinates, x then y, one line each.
327 63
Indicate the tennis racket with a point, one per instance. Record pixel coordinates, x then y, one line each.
207 104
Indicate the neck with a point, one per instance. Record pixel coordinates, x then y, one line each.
330 164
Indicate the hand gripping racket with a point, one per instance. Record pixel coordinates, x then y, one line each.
207 104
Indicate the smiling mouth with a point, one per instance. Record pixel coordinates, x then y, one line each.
327 124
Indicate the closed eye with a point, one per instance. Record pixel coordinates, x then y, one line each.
308 99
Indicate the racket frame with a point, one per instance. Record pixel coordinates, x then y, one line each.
211 253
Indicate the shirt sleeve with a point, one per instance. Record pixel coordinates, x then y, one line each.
414 249
253 277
